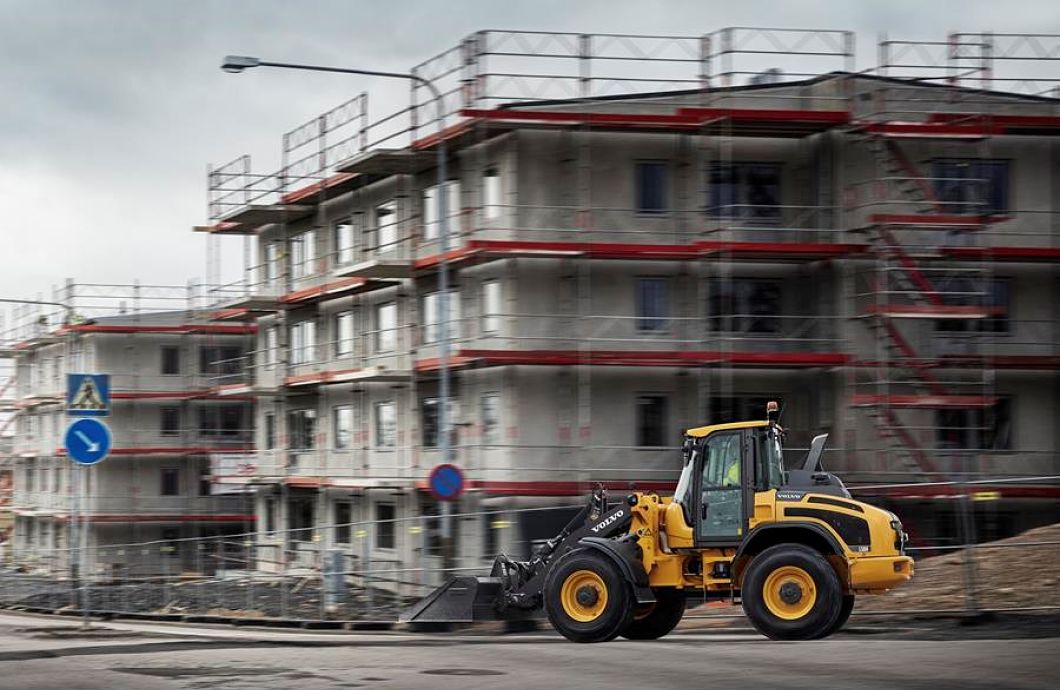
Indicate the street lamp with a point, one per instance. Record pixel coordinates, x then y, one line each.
239 63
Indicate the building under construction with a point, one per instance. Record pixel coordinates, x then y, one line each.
649 233
166 361
646 233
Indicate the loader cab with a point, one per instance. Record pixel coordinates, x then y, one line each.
724 465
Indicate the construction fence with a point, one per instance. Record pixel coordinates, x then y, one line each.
327 575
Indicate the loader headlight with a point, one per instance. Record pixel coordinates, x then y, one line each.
900 537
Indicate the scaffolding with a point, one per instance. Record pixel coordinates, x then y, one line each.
1011 63
931 299
910 254
119 328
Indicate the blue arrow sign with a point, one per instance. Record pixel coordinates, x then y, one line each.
87 395
87 441
446 482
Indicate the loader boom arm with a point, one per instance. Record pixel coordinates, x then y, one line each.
524 581
514 588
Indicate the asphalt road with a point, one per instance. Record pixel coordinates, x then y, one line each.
39 653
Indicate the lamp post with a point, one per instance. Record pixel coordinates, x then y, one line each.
239 63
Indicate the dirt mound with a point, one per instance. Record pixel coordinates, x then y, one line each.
1019 571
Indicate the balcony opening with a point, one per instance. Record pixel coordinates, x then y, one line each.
652 422
490 414
652 187
430 313
491 193
386 229
303 252
270 431
170 360
743 305
169 421
385 424
491 306
386 327
653 305
385 528
748 192
342 427
221 421
221 360
270 515
170 482
738 408
972 186
985 429
432 213
301 429
344 338
300 522
303 339
343 520
342 237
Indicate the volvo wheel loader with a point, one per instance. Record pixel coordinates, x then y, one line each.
791 545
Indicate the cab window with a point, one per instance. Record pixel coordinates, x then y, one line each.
770 460
721 498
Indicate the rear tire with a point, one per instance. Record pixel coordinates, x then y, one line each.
791 592
587 598
658 619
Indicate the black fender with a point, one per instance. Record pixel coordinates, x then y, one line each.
624 555
819 532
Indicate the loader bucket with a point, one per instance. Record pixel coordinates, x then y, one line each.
461 600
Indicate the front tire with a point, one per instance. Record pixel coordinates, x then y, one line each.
658 619
844 615
791 592
587 598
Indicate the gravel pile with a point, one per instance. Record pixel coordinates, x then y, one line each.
1017 572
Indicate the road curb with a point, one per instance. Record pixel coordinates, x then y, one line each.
496 627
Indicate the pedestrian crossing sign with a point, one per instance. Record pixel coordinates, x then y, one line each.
87 395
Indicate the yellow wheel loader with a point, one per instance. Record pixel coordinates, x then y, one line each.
792 546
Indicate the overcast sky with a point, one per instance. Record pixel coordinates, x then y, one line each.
110 111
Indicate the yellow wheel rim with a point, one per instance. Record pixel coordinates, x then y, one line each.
584 596
789 593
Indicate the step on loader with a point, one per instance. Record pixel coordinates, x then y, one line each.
792 546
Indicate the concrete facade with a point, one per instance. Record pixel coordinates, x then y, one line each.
167 423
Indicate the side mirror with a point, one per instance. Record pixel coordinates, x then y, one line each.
687 447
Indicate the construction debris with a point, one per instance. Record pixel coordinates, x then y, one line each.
1010 573
294 599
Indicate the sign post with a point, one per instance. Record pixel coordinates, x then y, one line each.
87 442
446 483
